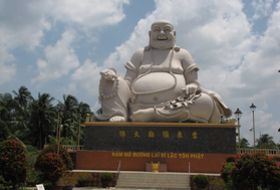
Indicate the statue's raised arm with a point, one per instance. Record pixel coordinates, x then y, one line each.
161 84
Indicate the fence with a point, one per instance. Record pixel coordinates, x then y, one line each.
269 152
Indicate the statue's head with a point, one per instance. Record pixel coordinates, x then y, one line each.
162 35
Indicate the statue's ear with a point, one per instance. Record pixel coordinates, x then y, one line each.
150 33
174 33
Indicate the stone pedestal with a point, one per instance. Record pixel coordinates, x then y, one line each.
181 147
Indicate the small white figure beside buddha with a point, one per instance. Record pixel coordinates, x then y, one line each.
160 85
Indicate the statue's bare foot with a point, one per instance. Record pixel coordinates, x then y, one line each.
117 118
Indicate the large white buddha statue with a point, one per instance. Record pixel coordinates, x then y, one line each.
160 85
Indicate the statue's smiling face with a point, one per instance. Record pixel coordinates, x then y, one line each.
162 35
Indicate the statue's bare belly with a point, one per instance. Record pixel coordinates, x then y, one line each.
157 87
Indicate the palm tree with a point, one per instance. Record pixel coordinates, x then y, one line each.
72 113
23 97
244 143
6 114
70 117
266 141
84 110
42 120
22 100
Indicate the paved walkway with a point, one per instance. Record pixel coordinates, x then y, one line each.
111 188
114 188
93 188
175 173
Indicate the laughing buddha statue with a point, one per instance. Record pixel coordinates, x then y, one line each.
160 84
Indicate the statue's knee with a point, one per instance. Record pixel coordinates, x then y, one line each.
202 107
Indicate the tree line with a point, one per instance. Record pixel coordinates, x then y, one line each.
36 120
265 141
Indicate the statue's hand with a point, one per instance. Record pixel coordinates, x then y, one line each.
192 89
109 74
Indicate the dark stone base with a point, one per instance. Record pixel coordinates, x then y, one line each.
143 161
160 137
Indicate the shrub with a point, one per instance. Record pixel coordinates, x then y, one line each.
13 162
226 173
230 159
84 179
200 181
51 167
32 174
4 130
216 183
252 172
4 185
64 155
106 179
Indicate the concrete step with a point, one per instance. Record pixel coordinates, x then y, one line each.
149 180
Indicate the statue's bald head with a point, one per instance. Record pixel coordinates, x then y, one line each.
161 22
162 35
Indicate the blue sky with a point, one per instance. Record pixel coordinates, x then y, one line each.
59 47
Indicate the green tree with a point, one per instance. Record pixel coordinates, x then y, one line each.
4 130
84 110
23 97
6 115
22 102
72 113
70 118
244 143
42 120
253 172
266 141
13 162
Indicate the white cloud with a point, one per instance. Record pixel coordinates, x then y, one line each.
86 78
7 68
261 81
262 8
7 72
88 13
59 60
261 65
22 23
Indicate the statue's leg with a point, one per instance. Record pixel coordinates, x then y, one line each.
204 109
201 109
216 115
143 115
